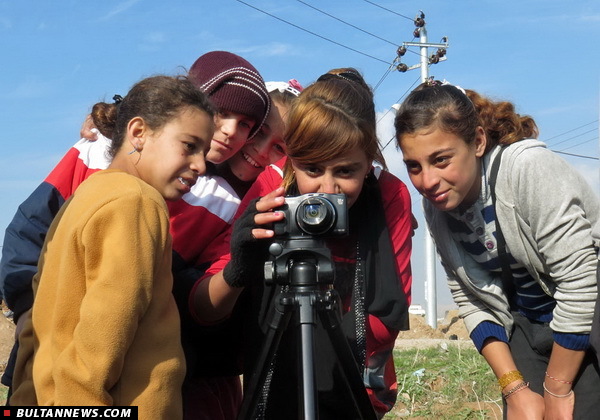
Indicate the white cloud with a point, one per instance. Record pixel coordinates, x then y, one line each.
120 8
30 89
591 18
271 49
153 41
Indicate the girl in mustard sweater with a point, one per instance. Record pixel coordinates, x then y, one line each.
104 328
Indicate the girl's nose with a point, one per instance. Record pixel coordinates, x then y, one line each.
430 179
329 186
198 164
228 126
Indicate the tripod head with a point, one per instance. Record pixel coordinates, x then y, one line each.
285 255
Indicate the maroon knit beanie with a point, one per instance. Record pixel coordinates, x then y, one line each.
232 84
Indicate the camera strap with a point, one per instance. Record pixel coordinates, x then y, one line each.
358 295
507 278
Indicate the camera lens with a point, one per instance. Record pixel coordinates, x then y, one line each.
315 215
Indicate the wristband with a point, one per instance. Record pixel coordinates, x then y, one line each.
556 395
509 377
515 389
559 380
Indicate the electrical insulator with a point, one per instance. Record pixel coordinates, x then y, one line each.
402 67
441 52
419 22
417 33
434 59
401 51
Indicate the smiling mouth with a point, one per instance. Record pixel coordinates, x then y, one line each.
188 183
437 197
251 161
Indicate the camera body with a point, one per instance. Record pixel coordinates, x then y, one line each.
313 215
300 239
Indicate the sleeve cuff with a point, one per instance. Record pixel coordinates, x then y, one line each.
485 330
572 341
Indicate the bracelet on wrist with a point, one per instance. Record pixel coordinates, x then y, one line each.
519 387
558 380
509 377
556 395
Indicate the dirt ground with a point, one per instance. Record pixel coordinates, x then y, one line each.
450 330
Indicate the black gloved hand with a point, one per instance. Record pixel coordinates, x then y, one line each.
248 254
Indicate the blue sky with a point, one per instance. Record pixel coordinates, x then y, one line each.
59 58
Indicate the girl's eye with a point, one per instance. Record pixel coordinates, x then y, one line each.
312 170
279 149
346 172
190 147
412 167
442 160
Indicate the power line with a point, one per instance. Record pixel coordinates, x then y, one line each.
391 11
398 101
578 144
313 33
579 156
346 23
386 74
574 137
567 132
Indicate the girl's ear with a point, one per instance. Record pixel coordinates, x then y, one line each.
480 142
136 133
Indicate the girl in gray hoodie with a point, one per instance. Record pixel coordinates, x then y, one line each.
526 292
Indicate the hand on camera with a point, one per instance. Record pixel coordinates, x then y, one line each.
249 249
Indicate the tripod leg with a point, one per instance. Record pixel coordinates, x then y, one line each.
332 324
279 319
307 363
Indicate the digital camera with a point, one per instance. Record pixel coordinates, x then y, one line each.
313 215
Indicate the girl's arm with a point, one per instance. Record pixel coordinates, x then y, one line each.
214 297
562 369
522 403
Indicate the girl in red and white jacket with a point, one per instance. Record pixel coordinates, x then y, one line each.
331 144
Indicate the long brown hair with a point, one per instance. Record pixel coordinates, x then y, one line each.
447 107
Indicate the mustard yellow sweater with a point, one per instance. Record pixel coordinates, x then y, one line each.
104 328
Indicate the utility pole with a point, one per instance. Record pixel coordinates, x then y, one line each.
440 55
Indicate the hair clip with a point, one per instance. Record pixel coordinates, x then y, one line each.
351 75
118 99
348 75
431 82
285 87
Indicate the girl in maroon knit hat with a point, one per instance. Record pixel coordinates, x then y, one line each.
238 91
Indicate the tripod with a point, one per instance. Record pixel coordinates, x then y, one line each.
304 265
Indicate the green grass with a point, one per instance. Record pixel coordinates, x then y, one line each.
3 393
452 384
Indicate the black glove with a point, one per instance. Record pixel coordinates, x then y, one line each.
248 254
